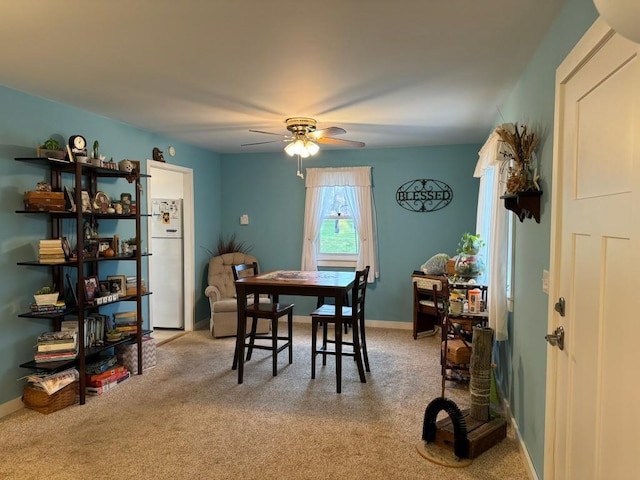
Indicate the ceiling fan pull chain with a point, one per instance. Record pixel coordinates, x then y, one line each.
299 173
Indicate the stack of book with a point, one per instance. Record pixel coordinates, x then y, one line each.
51 251
57 307
56 346
99 383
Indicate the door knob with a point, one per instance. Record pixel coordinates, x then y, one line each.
556 339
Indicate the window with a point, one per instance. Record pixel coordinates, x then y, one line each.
338 233
339 223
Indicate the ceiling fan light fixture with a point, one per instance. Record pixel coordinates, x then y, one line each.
302 146
311 147
290 149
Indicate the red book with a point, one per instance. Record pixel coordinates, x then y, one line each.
105 374
110 379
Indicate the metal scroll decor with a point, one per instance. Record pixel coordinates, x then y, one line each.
424 195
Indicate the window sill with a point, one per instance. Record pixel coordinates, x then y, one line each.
330 262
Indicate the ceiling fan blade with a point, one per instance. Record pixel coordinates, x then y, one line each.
340 142
262 143
267 133
326 132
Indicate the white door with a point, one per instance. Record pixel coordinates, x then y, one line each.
593 394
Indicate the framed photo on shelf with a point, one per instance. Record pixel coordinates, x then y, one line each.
66 247
70 203
118 284
105 288
86 201
91 288
71 288
104 244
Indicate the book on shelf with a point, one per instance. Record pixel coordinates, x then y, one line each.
59 306
51 242
69 326
110 379
50 251
52 260
101 365
57 347
55 356
108 386
101 376
56 335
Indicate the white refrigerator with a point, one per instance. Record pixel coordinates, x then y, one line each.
167 302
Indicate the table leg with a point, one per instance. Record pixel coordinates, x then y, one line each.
338 335
238 361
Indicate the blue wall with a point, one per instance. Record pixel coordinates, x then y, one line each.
265 187
26 121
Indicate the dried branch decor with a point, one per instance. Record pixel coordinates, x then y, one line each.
519 157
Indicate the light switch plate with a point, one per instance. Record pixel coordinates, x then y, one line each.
244 220
545 281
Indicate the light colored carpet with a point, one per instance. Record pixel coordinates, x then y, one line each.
188 418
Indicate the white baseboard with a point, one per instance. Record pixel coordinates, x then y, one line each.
370 323
11 406
531 471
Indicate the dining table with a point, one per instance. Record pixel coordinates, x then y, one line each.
325 283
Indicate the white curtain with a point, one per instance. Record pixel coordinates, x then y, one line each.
360 199
492 224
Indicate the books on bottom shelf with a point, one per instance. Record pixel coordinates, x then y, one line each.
100 386
101 365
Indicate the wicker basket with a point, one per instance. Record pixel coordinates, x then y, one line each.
40 401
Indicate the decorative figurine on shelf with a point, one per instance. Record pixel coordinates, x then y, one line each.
157 155
43 187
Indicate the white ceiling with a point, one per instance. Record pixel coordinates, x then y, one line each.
392 73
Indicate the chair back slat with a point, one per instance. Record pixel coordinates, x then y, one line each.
246 270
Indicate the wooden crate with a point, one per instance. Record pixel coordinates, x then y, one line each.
481 436
44 201
457 352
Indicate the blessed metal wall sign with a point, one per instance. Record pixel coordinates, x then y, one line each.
424 195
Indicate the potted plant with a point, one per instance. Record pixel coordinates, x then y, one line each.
129 246
113 335
46 296
469 264
50 149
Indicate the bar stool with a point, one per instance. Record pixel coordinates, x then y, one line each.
271 311
352 316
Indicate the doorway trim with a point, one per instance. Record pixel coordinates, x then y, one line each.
188 240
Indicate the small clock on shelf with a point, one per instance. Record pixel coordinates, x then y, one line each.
78 145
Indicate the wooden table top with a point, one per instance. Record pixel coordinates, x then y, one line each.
301 278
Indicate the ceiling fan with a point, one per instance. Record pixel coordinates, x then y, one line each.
304 137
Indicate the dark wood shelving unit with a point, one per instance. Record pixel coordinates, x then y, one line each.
87 175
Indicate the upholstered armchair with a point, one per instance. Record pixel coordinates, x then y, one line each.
222 296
